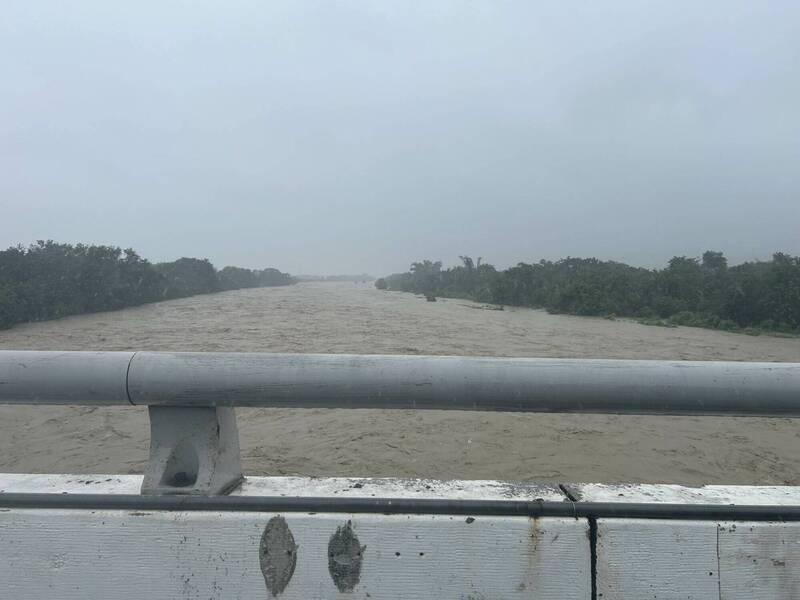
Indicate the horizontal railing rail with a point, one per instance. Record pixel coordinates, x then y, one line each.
417 382
406 506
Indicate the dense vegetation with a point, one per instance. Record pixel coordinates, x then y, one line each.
703 292
48 280
363 278
235 278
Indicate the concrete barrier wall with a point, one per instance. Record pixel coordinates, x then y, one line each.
86 554
723 560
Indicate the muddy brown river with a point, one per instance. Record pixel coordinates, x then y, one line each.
356 318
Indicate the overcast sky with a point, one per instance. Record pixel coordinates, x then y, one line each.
328 137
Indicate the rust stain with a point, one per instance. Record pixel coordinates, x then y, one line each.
535 535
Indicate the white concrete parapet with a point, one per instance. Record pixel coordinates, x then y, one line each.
84 554
90 553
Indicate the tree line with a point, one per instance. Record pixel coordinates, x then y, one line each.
48 280
701 292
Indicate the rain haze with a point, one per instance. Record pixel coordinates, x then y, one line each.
367 142
322 137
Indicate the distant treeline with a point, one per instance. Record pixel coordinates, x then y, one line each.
354 278
702 292
48 280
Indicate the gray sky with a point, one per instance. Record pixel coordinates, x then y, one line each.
335 137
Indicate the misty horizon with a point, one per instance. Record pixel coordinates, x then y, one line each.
354 273
361 137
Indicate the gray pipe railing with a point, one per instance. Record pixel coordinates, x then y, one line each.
431 382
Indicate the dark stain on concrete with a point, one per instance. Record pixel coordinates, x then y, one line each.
536 535
345 556
277 554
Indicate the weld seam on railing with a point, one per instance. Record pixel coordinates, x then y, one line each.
128 377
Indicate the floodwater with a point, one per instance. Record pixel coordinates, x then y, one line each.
356 318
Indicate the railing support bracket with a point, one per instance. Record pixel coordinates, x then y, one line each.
193 451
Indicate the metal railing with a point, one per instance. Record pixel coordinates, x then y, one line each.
194 441
196 379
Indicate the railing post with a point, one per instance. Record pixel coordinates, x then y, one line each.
192 451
